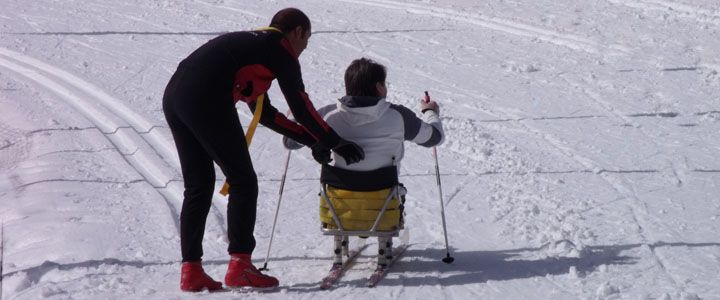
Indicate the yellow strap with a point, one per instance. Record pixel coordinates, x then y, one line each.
255 119
249 135
269 28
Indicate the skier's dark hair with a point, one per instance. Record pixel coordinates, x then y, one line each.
290 18
361 77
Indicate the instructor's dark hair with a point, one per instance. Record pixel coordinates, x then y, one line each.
290 18
361 77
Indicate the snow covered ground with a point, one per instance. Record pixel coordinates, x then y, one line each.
580 159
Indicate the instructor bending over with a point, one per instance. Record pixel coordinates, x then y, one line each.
199 105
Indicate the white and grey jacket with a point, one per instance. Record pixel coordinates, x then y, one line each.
380 128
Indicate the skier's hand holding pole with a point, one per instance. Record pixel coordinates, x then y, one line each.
427 104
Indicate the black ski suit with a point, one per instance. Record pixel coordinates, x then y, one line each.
199 106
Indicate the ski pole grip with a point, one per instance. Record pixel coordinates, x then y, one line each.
427 97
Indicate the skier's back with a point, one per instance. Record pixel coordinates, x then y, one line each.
379 127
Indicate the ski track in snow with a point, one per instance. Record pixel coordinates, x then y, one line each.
230 8
142 147
613 180
683 10
618 184
610 109
502 25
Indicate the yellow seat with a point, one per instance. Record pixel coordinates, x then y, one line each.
358 210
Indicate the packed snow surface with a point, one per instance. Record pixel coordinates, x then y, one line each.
580 160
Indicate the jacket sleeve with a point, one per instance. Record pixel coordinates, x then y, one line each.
292 143
278 122
426 131
287 71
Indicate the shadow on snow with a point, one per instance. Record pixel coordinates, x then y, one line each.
419 267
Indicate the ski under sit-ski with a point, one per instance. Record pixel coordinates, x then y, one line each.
337 270
381 271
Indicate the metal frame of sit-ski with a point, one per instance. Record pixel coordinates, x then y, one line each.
339 179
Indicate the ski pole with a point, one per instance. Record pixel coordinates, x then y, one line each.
447 259
2 258
277 210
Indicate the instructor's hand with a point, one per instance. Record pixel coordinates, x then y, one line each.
349 151
320 153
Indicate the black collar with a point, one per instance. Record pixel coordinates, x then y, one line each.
360 101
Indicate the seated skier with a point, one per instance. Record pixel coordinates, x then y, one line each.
380 128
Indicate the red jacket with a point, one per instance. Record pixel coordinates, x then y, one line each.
242 65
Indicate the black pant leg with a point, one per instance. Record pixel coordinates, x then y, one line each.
225 140
199 182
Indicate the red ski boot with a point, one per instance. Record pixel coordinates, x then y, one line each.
194 279
242 274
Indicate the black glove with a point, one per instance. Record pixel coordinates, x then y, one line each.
349 151
320 153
